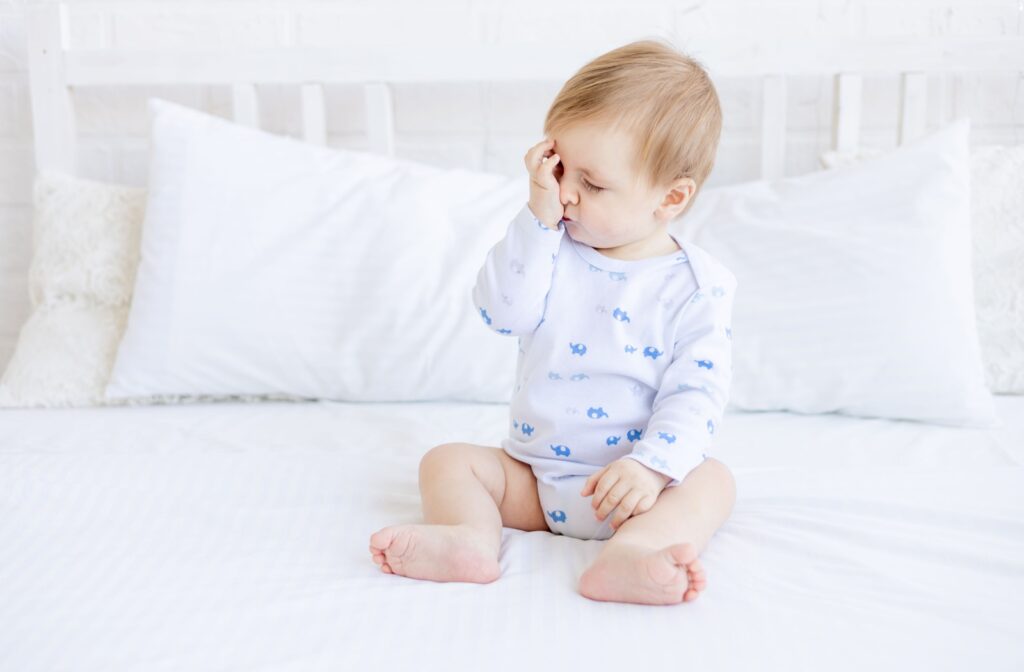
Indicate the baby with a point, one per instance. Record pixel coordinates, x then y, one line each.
624 349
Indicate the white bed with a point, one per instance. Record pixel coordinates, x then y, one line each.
234 536
210 536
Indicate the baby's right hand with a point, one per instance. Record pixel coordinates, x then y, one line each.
545 202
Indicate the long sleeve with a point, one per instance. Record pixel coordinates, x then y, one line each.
694 391
512 286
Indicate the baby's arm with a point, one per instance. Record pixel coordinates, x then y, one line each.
695 388
512 286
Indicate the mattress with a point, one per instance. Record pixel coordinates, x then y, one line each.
235 536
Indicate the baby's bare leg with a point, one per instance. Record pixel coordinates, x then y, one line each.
468 493
653 557
689 512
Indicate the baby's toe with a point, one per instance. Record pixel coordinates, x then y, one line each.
697 581
380 542
664 569
684 554
381 539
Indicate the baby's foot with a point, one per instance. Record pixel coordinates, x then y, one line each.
642 576
435 552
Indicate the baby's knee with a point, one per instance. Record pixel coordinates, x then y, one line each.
446 457
465 460
724 474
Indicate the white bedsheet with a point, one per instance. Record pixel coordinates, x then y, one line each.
234 536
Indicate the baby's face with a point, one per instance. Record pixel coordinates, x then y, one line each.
606 204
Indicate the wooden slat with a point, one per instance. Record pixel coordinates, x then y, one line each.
944 94
846 108
246 105
53 112
314 111
773 127
380 118
913 105
508 62
964 94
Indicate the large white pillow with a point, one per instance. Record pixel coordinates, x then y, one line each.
997 233
856 288
269 265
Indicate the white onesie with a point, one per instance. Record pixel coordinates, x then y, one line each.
617 359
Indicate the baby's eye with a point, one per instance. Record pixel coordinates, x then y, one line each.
591 187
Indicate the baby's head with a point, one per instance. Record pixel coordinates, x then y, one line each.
636 131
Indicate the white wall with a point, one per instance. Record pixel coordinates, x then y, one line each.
486 126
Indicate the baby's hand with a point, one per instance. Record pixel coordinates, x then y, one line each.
626 483
545 202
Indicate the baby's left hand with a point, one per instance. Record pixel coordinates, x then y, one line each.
627 484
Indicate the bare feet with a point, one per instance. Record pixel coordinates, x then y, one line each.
643 576
435 553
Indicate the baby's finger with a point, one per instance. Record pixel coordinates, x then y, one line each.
600 489
535 153
551 163
604 484
546 172
645 504
588 487
613 499
626 508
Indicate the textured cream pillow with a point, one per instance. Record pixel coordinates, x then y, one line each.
85 255
997 232
997 213
85 252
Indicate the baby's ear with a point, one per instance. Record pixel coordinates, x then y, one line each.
678 196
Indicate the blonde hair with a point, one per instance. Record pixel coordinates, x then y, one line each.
662 97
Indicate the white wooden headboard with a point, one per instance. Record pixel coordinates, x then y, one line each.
55 71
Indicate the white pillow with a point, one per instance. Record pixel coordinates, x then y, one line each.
997 232
856 288
272 265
